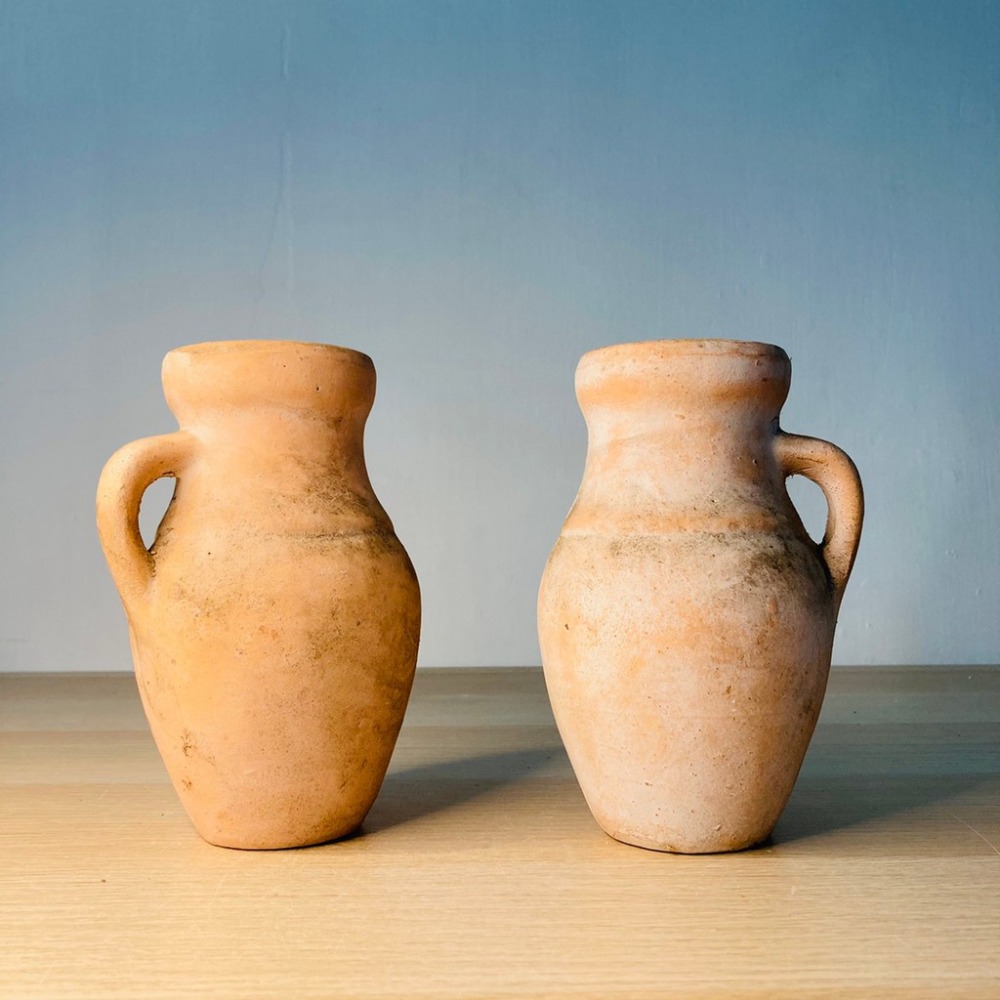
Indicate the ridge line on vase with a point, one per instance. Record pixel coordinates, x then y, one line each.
685 616
275 619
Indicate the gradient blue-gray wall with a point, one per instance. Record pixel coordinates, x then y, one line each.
475 193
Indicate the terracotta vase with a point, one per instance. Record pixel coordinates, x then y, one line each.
274 621
685 616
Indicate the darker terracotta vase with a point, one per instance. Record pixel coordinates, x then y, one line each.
685 616
274 621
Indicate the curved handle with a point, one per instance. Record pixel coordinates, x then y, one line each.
836 475
128 473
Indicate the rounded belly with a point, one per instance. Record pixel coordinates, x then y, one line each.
686 673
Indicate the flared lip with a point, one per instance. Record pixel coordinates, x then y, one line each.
249 347
709 348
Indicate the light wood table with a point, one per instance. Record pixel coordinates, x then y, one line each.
480 873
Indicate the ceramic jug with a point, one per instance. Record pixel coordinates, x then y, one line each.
685 616
274 621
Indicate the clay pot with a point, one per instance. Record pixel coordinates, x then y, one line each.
275 620
686 618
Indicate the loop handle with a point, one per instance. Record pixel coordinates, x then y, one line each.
836 475
125 478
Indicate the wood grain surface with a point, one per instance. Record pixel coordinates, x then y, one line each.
480 872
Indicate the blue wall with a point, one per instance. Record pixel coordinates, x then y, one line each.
475 193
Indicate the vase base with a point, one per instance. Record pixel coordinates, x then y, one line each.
731 845
242 842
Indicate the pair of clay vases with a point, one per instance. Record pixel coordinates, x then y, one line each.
686 618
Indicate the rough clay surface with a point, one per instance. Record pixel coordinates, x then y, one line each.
686 618
275 620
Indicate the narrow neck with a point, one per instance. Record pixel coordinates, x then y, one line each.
680 434
277 447
671 455
307 468
719 433
281 426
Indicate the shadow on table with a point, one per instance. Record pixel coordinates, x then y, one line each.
417 792
826 805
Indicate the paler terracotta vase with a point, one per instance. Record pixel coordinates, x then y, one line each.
685 616
274 621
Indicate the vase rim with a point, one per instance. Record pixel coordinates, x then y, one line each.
263 346
705 347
